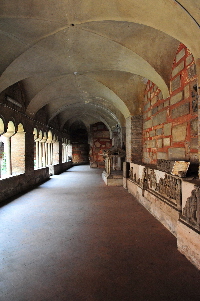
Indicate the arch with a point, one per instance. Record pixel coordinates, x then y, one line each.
35 133
20 128
49 135
10 129
2 129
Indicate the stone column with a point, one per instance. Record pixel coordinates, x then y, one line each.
7 148
49 153
40 155
36 154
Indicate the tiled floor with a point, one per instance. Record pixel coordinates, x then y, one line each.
75 239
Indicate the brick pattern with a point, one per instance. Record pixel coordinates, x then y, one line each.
100 141
18 153
136 138
80 153
170 126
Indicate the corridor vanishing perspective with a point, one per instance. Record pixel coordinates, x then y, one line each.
75 239
113 85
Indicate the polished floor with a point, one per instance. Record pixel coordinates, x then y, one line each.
75 239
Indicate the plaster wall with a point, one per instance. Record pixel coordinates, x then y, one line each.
188 243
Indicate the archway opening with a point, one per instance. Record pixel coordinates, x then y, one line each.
79 140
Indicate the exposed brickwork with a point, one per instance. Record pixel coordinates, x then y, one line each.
100 141
136 138
18 153
170 125
80 152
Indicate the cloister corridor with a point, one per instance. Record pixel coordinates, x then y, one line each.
73 238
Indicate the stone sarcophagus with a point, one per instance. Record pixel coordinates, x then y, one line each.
191 210
165 186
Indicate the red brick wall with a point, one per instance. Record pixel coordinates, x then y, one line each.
170 126
18 153
100 141
80 153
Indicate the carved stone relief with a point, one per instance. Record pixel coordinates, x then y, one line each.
165 165
168 187
191 211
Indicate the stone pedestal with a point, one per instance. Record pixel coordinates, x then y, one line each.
114 179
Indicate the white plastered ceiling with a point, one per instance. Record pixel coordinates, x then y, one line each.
89 60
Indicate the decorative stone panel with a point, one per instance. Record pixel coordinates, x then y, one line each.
159 183
191 211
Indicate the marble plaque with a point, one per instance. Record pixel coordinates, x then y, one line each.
180 168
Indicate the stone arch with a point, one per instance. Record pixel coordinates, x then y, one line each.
20 128
2 126
10 129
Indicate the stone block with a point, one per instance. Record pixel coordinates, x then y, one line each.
166 103
154 100
159 132
147 106
189 59
166 141
152 133
153 143
176 98
167 129
191 71
176 83
181 110
148 124
178 68
179 132
180 55
154 110
194 127
160 107
160 118
194 143
159 143
176 153
161 155
187 91
149 113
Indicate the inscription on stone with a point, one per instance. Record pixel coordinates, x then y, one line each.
180 168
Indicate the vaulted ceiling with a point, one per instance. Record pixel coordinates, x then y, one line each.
90 60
